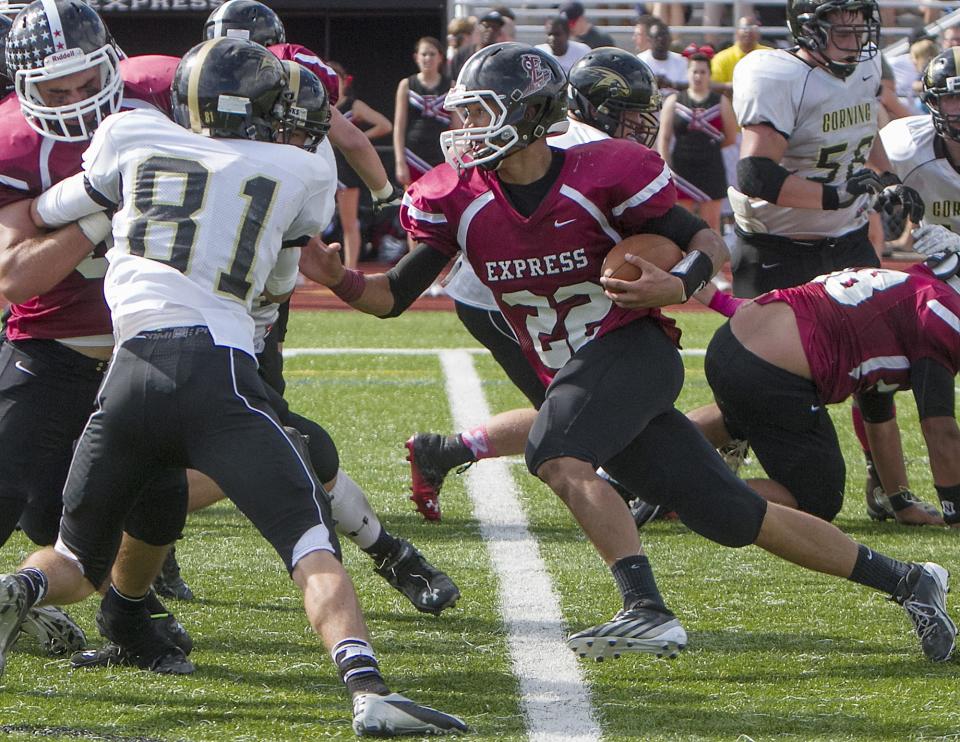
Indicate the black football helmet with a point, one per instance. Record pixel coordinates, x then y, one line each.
49 40
607 85
230 88
521 88
941 80
808 22
309 109
246 19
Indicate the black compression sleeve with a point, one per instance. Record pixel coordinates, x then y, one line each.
932 388
413 275
677 224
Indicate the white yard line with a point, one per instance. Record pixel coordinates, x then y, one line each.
553 694
294 352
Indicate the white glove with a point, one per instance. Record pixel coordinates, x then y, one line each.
931 239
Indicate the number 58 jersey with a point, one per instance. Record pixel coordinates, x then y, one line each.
200 221
829 125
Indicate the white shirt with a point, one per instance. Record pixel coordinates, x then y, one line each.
829 124
201 222
920 162
575 50
673 68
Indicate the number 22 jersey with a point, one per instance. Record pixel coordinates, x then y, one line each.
544 270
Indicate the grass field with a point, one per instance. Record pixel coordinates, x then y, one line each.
775 652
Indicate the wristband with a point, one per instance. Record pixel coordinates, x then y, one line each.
95 227
381 194
949 502
830 200
725 304
350 288
694 270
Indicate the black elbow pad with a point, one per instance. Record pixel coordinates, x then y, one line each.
761 177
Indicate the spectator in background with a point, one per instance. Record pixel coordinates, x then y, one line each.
567 52
418 116
669 67
459 38
950 37
374 125
583 30
746 39
491 31
509 30
695 125
641 32
921 54
673 14
905 72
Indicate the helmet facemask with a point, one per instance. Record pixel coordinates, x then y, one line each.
859 40
946 124
72 122
613 118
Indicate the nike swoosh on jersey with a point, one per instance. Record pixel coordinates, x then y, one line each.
21 367
768 266
563 224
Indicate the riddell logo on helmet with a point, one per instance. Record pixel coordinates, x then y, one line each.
539 73
65 57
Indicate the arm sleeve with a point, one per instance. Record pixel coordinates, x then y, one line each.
101 166
413 275
69 200
283 277
932 388
676 224
876 407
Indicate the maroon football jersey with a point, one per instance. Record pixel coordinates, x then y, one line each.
545 270
863 328
302 55
30 164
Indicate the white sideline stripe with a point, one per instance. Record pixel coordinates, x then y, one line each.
295 352
553 694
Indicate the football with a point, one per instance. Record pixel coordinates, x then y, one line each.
660 251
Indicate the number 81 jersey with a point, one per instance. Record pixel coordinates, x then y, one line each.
829 124
201 221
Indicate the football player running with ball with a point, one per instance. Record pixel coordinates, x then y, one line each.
500 198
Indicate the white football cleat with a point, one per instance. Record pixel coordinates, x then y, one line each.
392 715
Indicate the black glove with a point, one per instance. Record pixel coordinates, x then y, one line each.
862 181
900 196
394 199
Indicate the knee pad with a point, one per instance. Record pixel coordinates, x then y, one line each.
158 516
732 521
41 525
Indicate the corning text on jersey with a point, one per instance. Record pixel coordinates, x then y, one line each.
945 209
548 265
850 116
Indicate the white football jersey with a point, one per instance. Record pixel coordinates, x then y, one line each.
919 159
462 283
200 223
829 125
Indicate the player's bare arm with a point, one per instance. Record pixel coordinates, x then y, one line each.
33 261
381 294
358 151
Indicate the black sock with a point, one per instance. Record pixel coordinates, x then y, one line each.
386 546
36 583
116 602
153 605
638 586
358 667
878 571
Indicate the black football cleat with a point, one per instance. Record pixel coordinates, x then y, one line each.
425 586
426 473
169 583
